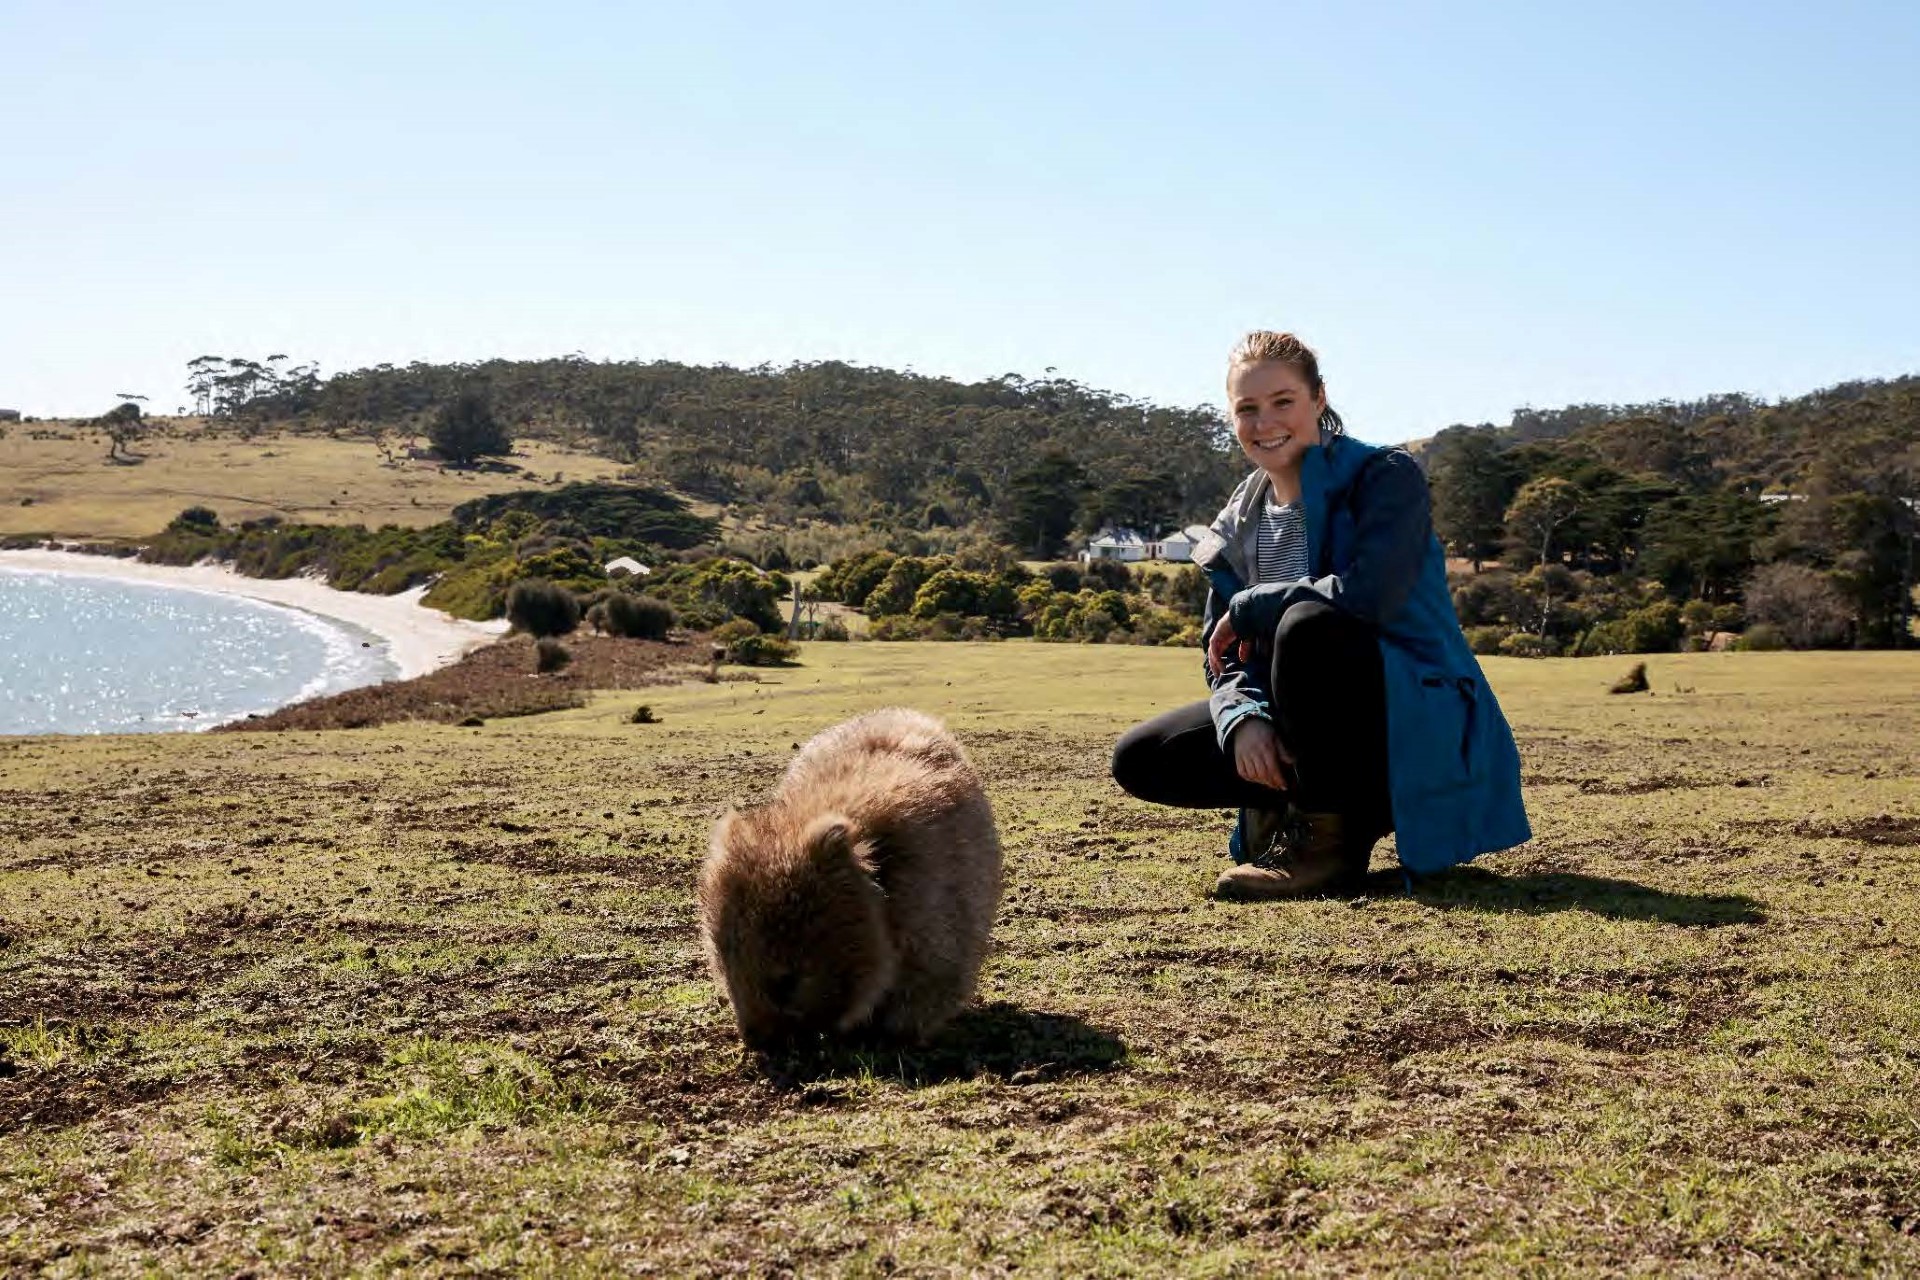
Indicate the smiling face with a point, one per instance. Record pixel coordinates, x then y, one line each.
1276 416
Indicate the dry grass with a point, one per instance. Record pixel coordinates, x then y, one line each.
428 999
55 479
495 682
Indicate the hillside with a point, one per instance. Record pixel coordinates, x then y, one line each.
1735 439
55 478
826 443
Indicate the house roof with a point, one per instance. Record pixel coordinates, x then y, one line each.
1119 538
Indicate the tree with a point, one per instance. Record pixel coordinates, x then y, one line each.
123 424
1541 509
1037 513
1473 481
466 430
1801 601
1702 547
1144 500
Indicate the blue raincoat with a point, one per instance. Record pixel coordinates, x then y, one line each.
1453 769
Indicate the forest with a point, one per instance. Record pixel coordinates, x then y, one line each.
1588 529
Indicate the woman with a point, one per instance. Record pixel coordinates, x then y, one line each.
1346 703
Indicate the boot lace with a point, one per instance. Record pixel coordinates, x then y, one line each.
1289 838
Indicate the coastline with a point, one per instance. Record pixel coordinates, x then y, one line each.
418 639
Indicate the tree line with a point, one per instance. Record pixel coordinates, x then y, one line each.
1801 518
1031 460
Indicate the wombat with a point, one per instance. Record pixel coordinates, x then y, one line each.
860 897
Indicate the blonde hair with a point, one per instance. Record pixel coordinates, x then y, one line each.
1264 345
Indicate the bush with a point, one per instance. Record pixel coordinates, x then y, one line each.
542 608
196 520
1524 644
897 627
1761 637
636 617
707 594
1487 640
831 629
549 655
760 651
734 630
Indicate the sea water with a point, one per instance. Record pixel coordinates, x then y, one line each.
98 655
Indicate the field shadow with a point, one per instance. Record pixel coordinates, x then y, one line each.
999 1040
1477 889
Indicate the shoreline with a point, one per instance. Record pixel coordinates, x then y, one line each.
418 639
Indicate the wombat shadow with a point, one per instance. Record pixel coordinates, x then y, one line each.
1477 889
1000 1040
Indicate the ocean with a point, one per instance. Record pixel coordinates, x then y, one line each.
95 655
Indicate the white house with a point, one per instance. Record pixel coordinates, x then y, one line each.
626 566
1116 544
1175 546
1178 545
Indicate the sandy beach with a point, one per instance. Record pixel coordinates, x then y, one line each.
418 639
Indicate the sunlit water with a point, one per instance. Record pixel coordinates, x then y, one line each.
94 655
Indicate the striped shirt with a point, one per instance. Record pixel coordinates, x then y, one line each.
1282 550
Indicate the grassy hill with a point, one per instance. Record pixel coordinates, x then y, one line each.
426 997
55 479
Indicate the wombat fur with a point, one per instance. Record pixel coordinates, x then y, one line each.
861 896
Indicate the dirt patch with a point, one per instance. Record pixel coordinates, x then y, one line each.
1698 1003
62 1096
494 682
1885 828
1641 786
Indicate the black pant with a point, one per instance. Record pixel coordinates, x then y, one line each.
1330 708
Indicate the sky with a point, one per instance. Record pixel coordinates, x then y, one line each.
1465 207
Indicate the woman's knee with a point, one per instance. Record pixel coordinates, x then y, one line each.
1305 627
1133 761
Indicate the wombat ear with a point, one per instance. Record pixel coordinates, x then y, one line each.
829 840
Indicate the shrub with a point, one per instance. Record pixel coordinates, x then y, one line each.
549 655
831 629
542 608
1487 640
735 629
1524 644
636 617
705 595
196 520
1761 637
897 627
760 651
898 590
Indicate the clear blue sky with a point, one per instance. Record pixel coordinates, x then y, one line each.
1466 207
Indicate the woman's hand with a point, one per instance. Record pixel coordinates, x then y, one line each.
1225 640
1257 753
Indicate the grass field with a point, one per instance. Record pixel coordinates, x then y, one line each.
55 479
429 998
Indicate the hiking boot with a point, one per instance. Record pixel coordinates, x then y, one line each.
1304 854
